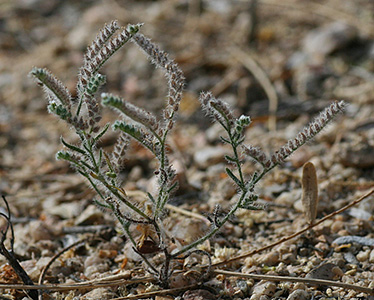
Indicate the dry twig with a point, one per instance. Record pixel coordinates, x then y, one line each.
287 238
309 281
249 62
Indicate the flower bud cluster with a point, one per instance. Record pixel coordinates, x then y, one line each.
242 123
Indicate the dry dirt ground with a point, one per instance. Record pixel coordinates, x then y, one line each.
279 62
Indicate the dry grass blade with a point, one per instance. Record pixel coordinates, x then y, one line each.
249 62
310 192
287 238
158 293
308 281
57 255
187 213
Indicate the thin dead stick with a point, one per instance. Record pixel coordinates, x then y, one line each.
157 293
287 238
362 185
354 91
229 78
46 267
247 61
309 281
187 213
171 207
77 286
113 281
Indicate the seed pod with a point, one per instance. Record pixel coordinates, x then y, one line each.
148 247
310 192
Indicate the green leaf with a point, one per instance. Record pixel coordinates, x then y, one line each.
151 197
249 203
59 110
134 28
86 165
100 157
63 155
95 83
129 129
234 178
230 158
101 204
96 138
111 100
240 141
72 147
111 175
251 207
225 140
174 186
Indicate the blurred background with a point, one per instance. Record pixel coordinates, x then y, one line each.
278 61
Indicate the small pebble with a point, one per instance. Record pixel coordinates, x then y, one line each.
198 294
289 198
299 286
363 255
270 259
91 215
99 293
164 298
264 288
354 239
337 226
358 155
326 271
209 156
371 256
298 295
40 231
289 258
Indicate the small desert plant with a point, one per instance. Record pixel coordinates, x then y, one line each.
102 169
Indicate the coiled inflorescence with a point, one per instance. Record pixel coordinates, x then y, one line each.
132 111
217 109
309 132
173 73
258 155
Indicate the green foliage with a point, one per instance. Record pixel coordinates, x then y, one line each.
102 169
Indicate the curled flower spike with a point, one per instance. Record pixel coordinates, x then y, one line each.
257 154
173 74
135 113
309 132
53 87
102 48
217 109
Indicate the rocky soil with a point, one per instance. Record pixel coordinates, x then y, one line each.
280 62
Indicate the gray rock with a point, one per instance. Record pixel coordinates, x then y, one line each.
100 293
208 156
298 295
